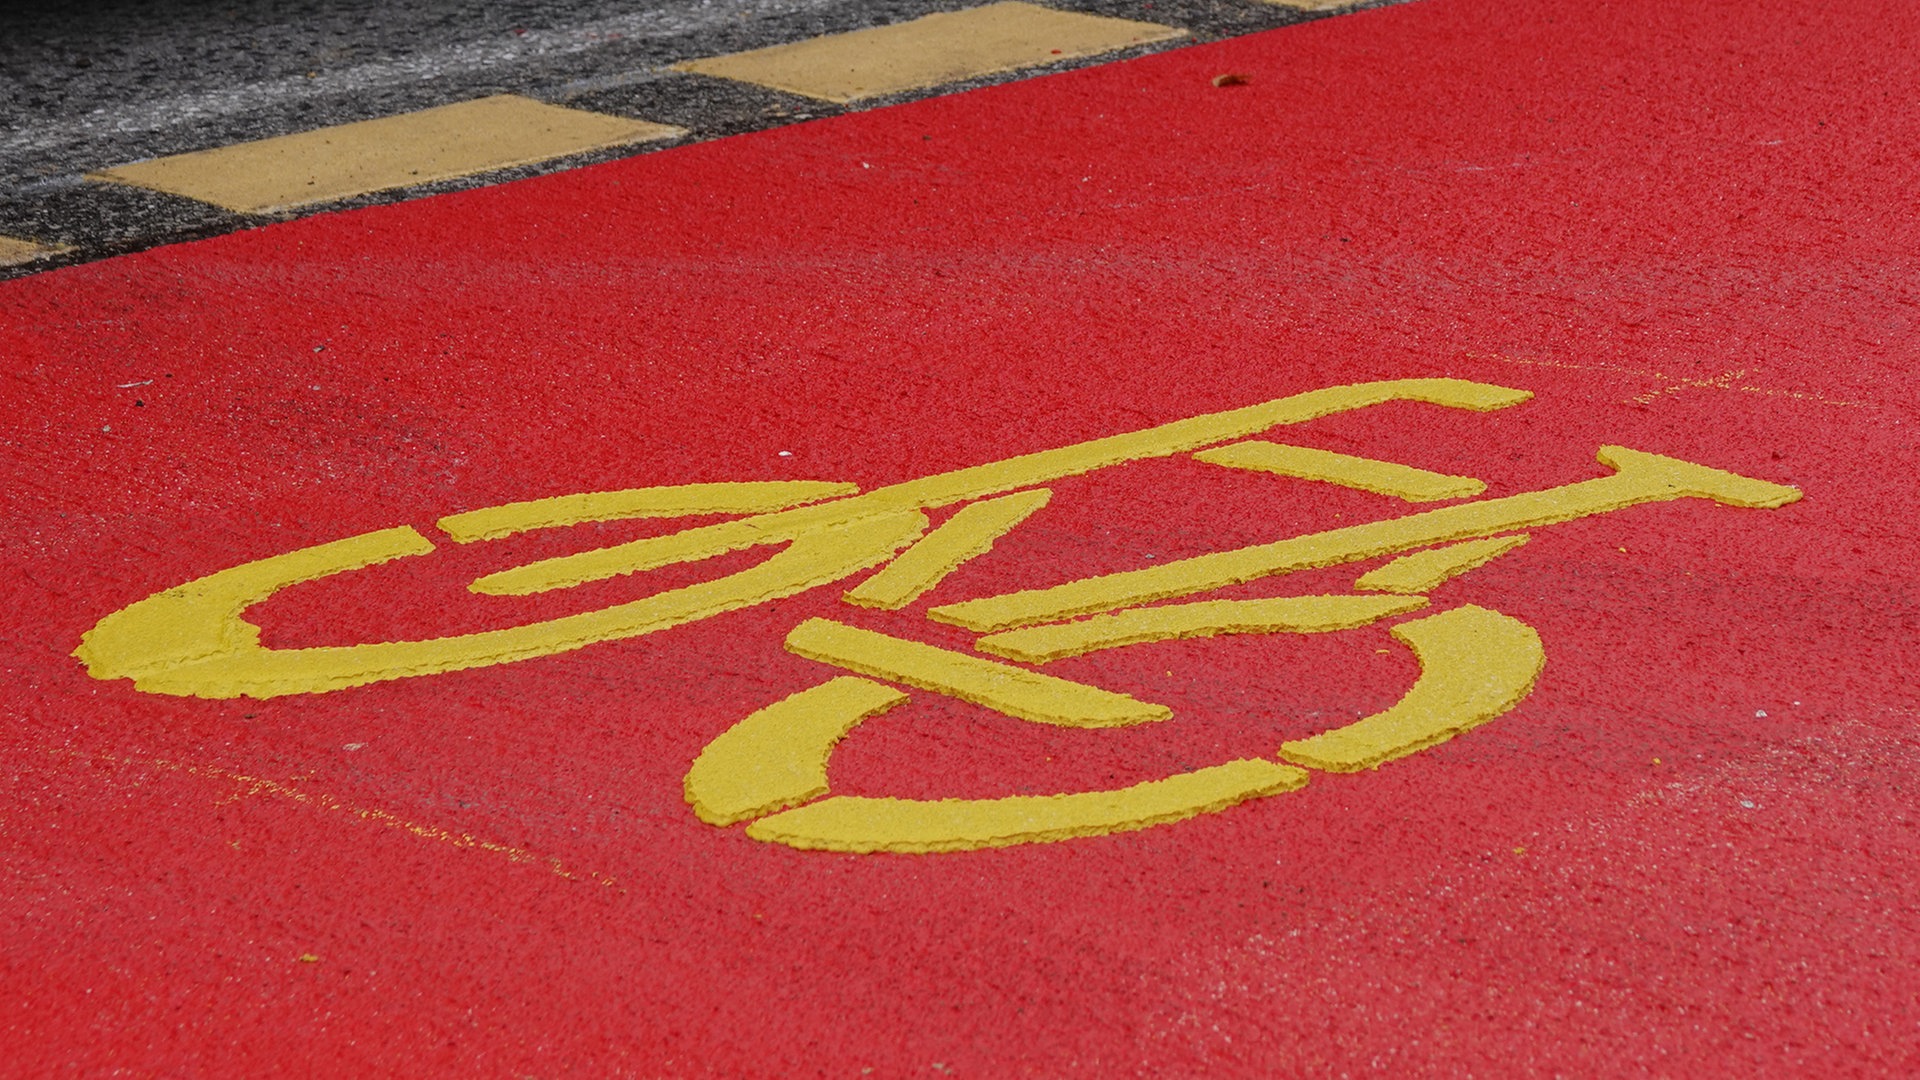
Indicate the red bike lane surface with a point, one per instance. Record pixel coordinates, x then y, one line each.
1686 229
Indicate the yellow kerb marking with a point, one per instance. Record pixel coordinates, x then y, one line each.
1291 614
1641 478
191 640
678 500
913 826
1366 474
966 535
1424 571
375 155
931 50
14 252
962 485
1474 665
1014 691
777 757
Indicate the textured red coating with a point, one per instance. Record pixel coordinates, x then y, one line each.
1688 227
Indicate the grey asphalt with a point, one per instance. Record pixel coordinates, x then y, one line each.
85 86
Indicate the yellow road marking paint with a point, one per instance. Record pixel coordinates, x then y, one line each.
653 552
1366 474
1290 614
777 757
1424 571
376 155
931 50
15 252
679 500
1640 478
1474 665
1025 471
966 535
1014 691
854 824
190 640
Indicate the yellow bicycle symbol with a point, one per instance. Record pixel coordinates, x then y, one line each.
770 768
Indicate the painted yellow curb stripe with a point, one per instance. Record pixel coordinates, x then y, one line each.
777 757
340 162
1423 571
1289 614
14 252
966 535
931 50
1004 688
854 824
1474 665
1366 474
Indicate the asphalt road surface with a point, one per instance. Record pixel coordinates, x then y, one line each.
91 85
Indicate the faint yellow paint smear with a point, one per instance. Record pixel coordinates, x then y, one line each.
1474 665
855 824
1366 474
1640 478
1290 614
966 535
248 786
678 500
1014 691
1423 571
993 478
777 756
1734 379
